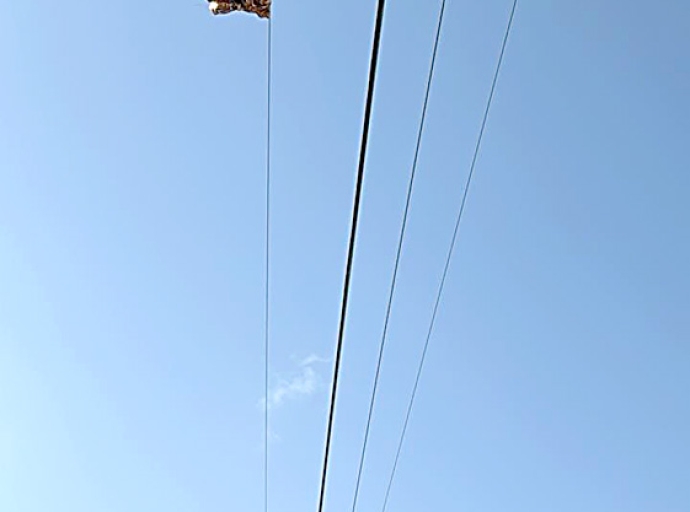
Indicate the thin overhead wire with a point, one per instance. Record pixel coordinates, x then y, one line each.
353 236
449 257
268 253
401 240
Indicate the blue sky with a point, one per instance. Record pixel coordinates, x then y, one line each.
131 246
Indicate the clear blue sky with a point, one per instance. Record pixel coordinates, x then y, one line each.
131 246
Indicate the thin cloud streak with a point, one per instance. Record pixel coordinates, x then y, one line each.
302 385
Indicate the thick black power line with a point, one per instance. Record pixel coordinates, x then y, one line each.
401 239
450 254
268 253
353 236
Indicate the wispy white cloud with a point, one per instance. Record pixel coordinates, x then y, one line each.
313 359
302 384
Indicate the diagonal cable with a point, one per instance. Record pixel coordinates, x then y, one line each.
450 254
401 240
353 237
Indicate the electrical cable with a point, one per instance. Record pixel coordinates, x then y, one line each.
398 255
378 28
449 257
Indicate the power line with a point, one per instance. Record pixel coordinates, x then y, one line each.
353 236
450 254
268 253
401 240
